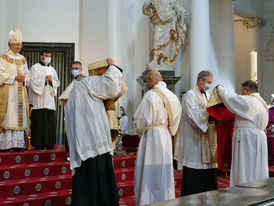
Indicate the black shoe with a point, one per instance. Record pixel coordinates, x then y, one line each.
37 148
19 149
7 150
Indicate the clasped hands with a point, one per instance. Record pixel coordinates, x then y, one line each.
20 77
48 78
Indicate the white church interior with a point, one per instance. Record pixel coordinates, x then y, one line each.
216 38
234 39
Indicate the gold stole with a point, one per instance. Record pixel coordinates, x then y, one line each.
167 105
4 90
209 138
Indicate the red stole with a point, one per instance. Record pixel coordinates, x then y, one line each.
224 125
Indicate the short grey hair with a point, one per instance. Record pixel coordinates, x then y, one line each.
203 74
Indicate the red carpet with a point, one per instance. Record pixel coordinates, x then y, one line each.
43 177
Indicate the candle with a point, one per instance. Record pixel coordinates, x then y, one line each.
253 66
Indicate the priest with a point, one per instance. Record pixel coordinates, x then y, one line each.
196 147
43 90
156 119
224 122
14 77
77 73
90 145
249 143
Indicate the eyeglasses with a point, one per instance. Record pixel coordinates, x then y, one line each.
244 89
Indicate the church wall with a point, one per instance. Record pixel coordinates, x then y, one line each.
133 34
41 21
268 66
118 29
222 43
246 40
8 21
211 41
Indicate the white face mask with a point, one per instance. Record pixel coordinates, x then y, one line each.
207 86
47 60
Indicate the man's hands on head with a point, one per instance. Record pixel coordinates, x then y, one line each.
110 61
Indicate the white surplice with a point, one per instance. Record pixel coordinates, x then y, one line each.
13 136
86 120
194 120
154 179
249 143
41 95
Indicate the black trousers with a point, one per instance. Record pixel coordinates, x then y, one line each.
43 128
198 180
94 184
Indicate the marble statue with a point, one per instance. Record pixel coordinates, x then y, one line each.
167 17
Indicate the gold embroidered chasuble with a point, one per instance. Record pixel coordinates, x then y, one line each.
14 98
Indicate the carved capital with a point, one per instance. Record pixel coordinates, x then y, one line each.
252 22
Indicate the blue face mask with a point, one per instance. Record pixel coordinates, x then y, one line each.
121 112
75 73
207 86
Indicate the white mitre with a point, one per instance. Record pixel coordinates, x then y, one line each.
15 37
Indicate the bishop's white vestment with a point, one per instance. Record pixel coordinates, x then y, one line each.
249 143
14 101
154 179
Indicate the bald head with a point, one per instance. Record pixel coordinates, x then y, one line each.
152 78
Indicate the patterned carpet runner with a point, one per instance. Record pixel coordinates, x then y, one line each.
43 177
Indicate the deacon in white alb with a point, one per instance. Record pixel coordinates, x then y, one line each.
88 134
156 119
192 150
249 143
43 90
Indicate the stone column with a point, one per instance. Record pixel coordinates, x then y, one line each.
199 38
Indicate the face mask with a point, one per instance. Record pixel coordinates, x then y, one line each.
206 87
75 73
47 60
121 112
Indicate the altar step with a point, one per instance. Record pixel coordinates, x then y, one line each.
35 177
58 198
43 177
